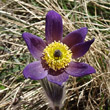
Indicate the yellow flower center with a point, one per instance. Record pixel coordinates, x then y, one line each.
57 55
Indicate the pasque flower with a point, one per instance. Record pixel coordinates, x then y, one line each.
55 55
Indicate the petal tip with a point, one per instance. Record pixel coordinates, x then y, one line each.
85 28
80 49
24 34
93 70
52 12
53 15
91 41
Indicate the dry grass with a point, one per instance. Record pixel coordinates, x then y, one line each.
16 16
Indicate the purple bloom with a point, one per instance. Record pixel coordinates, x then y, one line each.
56 54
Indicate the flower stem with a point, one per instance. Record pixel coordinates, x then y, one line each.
56 108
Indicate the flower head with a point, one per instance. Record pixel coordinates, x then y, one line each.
56 54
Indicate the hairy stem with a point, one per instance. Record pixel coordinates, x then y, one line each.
56 108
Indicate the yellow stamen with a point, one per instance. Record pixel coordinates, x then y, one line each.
57 55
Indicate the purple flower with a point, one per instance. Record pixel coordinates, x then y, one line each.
56 54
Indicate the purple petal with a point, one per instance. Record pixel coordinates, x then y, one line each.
80 49
79 69
34 71
75 37
59 79
35 44
54 28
